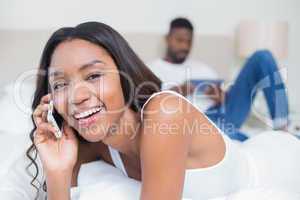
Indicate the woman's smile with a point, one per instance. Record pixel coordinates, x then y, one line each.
88 117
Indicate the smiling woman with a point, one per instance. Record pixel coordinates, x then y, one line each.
92 75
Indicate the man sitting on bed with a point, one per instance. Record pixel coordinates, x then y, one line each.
228 109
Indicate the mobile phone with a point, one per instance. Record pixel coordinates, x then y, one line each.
52 121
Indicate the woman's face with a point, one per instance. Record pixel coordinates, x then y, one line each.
86 88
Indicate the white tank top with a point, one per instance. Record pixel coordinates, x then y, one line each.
229 175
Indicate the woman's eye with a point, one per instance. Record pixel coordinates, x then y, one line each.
59 86
93 77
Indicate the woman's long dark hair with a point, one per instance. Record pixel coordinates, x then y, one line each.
125 58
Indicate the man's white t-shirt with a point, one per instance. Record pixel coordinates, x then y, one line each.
175 74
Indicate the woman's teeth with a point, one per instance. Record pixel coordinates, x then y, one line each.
87 113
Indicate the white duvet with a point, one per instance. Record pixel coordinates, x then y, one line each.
114 186
100 180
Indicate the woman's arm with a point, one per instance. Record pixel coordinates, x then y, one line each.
59 185
58 159
164 148
58 156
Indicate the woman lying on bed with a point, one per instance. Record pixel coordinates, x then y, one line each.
111 108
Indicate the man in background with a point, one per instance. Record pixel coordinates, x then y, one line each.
174 68
228 109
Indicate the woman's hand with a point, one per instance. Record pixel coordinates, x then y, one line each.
57 155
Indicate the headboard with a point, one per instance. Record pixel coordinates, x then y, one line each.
20 50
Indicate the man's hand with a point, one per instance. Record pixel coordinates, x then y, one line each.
185 89
216 94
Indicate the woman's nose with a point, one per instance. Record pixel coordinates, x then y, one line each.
80 93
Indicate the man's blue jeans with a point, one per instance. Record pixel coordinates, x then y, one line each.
259 72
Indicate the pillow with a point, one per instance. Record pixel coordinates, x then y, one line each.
11 147
99 180
113 186
15 105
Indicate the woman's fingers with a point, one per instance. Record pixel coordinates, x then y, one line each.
44 114
44 132
40 113
68 131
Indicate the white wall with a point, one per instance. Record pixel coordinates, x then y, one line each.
209 16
